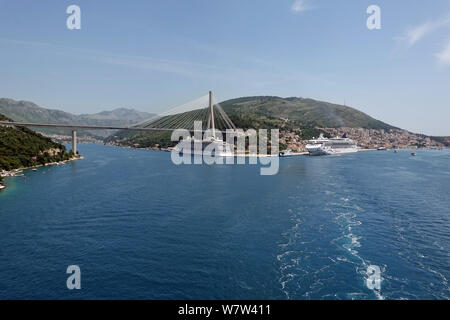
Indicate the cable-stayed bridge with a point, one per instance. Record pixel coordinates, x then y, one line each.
203 109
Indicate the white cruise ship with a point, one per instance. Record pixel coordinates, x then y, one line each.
214 147
333 146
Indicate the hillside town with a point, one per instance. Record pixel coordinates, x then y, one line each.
67 139
366 139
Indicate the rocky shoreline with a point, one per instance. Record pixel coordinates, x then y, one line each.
19 172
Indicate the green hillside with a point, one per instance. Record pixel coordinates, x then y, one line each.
22 147
444 140
287 114
306 112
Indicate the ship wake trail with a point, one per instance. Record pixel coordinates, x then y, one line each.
317 258
346 216
304 266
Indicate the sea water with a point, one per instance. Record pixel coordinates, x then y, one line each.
140 227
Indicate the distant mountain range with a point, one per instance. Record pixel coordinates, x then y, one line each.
26 111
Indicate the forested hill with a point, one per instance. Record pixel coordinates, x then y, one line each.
305 112
22 147
299 115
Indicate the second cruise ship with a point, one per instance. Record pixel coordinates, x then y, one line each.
333 146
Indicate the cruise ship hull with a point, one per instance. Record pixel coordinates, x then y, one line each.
333 146
216 148
317 153
330 152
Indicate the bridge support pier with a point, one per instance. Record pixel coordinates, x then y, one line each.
74 142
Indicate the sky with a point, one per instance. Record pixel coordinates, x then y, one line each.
155 55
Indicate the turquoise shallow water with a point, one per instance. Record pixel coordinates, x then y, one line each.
140 227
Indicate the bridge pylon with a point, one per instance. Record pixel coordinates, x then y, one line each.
74 142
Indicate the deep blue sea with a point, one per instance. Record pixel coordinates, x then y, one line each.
140 227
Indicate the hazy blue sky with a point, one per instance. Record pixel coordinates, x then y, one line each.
154 55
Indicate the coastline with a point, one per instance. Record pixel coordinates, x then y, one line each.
299 153
244 155
19 171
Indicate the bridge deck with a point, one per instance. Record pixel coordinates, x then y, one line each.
87 127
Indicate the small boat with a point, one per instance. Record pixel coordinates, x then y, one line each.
413 154
287 153
34 169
